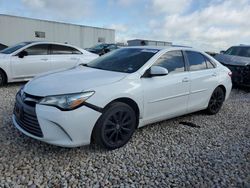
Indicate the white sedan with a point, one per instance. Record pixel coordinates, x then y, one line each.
27 59
107 99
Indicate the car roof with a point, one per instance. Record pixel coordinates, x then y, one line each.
47 42
173 47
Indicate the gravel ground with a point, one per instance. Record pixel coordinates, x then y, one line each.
216 153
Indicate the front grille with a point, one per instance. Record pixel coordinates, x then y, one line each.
25 116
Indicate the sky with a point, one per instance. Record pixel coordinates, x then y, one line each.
210 25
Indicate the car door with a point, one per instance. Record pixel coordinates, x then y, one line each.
64 56
35 61
167 96
203 78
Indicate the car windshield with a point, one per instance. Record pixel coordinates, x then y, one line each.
239 51
127 60
14 48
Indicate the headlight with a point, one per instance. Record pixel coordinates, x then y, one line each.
67 102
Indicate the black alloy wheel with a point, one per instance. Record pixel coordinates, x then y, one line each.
116 126
216 101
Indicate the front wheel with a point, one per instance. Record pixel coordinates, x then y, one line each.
216 101
115 126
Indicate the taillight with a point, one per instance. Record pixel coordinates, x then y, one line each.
230 74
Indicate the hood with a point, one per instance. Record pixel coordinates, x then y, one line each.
232 60
3 55
71 81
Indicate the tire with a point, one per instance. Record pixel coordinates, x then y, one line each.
3 78
115 127
216 101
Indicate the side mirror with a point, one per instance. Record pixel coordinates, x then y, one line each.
222 51
22 54
156 71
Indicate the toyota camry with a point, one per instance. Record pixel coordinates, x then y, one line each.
106 100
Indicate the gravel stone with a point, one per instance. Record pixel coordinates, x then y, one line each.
216 153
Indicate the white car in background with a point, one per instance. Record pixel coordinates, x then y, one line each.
107 99
27 59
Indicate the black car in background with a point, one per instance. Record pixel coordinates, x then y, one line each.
2 46
101 49
237 59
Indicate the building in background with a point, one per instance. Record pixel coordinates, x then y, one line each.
15 29
142 42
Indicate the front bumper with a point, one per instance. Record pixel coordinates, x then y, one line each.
62 128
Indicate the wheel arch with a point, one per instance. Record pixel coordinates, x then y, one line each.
124 100
129 102
223 88
5 74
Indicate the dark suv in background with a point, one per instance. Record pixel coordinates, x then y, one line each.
101 49
237 59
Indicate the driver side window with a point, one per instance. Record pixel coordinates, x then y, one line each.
39 49
173 61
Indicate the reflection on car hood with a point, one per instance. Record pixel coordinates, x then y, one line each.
71 81
232 60
3 55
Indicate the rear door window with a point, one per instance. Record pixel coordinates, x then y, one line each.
63 50
196 61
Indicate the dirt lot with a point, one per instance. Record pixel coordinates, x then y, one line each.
216 152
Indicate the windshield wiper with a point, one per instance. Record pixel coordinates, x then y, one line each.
86 65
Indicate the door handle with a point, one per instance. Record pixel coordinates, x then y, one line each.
185 79
74 58
44 59
214 74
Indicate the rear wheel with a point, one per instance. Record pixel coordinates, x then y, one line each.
3 78
216 101
115 127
